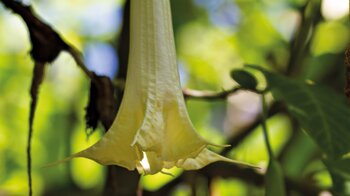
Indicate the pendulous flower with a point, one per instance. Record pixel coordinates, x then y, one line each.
152 129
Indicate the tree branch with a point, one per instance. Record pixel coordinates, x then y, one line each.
249 175
46 42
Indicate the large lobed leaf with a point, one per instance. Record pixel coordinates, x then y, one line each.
322 113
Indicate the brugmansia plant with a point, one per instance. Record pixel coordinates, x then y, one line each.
152 129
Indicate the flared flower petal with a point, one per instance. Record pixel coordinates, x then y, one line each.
152 129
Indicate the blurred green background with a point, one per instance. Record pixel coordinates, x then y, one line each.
212 38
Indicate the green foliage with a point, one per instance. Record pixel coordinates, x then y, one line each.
340 166
340 173
244 79
321 112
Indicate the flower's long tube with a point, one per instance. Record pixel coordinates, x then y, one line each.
152 129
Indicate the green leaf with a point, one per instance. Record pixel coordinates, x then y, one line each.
340 167
340 173
322 113
244 79
274 180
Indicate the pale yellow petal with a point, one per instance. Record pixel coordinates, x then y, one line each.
166 128
203 159
114 148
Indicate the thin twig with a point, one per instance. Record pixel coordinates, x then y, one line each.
301 41
264 127
78 58
209 95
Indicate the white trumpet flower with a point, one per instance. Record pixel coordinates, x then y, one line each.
152 129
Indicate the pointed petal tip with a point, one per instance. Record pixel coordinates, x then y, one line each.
207 157
240 163
59 162
218 145
244 164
